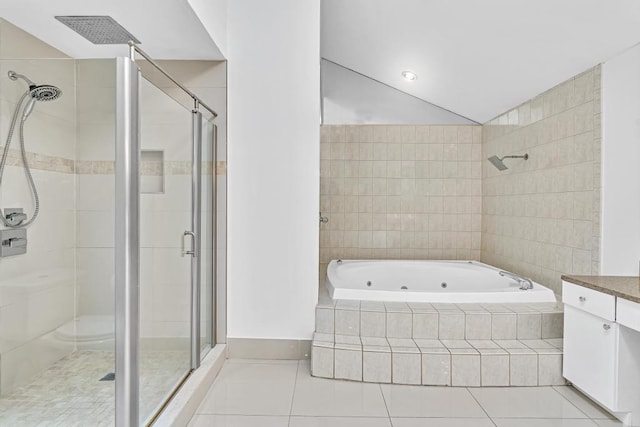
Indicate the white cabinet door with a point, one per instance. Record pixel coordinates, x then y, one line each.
591 355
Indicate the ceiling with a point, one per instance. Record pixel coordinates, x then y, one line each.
168 29
476 58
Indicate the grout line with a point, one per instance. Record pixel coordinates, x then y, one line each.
480 405
385 404
293 395
568 400
336 416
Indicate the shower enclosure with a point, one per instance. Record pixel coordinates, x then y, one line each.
114 304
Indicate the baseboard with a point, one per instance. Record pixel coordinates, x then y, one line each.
185 403
259 348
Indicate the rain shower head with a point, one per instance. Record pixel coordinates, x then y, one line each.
499 162
98 29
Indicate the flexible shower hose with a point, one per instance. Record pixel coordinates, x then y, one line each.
27 170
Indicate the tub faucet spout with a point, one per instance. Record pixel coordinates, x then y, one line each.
524 282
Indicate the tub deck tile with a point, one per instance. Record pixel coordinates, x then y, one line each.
439 344
441 321
468 363
422 307
428 343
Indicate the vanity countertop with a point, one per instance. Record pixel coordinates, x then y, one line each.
626 287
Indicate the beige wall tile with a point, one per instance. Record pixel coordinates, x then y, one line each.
539 216
395 178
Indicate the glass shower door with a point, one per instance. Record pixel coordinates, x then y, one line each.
166 246
165 226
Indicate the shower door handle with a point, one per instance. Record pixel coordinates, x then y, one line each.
192 251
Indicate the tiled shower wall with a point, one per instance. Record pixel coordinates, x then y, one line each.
37 288
165 126
70 143
410 192
541 217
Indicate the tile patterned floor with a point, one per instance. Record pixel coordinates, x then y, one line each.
69 393
283 394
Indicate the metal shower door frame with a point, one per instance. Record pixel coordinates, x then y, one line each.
196 232
127 244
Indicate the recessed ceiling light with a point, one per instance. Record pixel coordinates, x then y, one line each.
409 75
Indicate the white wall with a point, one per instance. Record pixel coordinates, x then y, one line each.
213 15
273 130
351 98
620 246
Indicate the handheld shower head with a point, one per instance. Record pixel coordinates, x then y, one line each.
36 93
45 92
498 162
40 93
28 108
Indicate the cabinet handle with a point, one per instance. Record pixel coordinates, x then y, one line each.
582 299
606 327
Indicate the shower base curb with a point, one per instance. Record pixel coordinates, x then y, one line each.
184 404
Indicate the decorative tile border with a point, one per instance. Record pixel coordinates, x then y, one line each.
95 167
221 168
106 167
41 161
102 167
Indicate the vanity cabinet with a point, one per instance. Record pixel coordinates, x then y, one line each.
591 355
601 344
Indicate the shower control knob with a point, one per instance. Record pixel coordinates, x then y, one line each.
16 216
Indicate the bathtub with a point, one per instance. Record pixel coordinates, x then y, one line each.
427 281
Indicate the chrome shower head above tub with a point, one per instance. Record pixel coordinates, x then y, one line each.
499 163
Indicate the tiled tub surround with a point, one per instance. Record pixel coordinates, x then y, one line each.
541 217
400 192
439 344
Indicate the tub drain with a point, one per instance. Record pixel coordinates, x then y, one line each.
443 285
369 283
403 287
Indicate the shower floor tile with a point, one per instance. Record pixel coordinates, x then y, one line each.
69 393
